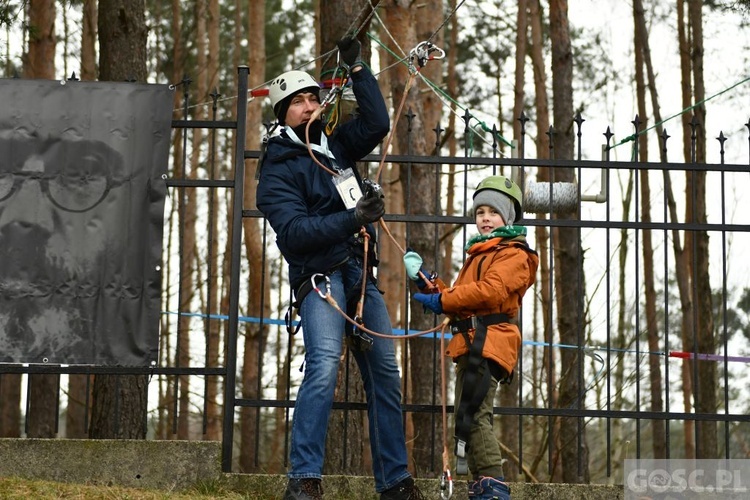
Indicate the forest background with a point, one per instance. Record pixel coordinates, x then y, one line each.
608 61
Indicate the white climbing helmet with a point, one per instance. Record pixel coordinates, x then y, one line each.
290 83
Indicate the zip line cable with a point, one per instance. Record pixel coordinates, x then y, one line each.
403 59
355 32
442 95
257 91
453 12
632 137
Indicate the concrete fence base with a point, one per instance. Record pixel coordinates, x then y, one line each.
184 465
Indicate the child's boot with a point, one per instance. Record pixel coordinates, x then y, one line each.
489 488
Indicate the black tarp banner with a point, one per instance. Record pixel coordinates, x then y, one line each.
82 169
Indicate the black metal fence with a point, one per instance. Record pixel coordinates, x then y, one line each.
614 405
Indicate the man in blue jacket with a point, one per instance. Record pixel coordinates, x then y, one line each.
317 214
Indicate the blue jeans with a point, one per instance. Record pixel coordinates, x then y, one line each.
323 335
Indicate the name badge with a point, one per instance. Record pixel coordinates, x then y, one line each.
348 188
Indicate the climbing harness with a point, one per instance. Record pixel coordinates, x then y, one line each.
476 381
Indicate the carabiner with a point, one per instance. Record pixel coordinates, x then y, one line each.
424 51
315 286
335 90
446 485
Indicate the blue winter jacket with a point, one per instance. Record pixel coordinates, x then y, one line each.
314 230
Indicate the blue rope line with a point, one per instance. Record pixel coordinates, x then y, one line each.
400 331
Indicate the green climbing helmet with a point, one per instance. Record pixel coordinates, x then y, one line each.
506 186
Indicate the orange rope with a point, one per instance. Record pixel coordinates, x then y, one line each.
316 114
430 285
444 392
397 116
336 306
361 303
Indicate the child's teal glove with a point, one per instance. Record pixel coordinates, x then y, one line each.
430 301
412 263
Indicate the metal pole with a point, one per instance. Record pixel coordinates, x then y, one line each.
234 284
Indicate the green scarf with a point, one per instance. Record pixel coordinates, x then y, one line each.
498 232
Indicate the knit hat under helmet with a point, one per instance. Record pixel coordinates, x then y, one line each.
502 194
498 201
284 87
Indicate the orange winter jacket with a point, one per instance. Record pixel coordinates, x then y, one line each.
493 279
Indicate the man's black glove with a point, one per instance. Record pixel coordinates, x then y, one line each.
369 209
349 51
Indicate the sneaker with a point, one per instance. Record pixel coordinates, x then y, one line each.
405 490
304 489
475 489
489 488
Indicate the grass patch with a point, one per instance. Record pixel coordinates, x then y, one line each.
24 489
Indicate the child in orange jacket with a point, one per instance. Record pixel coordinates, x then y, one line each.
483 304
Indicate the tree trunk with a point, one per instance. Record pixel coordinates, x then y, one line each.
88 40
120 402
277 459
122 40
391 274
541 103
519 94
40 63
79 400
10 405
187 231
421 196
166 415
451 190
119 410
337 19
569 283
213 408
429 17
258 280
658 427
624 335
79 386
706 380
682 253
508 394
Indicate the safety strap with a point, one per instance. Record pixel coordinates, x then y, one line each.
296 296
355 337
475 385
289 316
466 324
